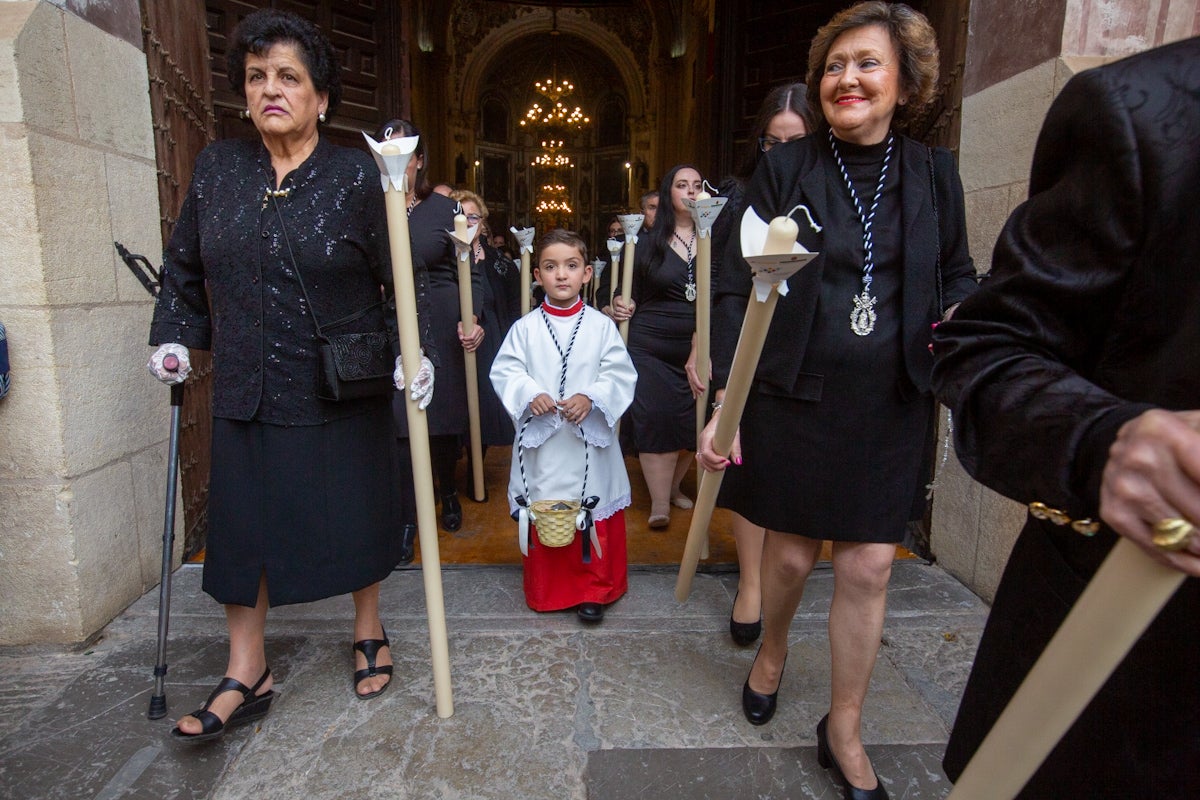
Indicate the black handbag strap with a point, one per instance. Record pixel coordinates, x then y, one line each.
312 310
937 230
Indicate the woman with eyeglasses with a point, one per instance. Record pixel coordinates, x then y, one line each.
501 307
430 220
783 117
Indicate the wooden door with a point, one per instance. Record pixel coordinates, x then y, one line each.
176 46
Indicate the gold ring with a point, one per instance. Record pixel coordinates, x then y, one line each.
1172 534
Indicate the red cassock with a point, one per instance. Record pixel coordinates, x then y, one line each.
556 577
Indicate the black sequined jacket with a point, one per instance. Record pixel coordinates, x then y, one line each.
229 284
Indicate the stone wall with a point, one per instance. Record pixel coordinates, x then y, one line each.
82 433
1006 98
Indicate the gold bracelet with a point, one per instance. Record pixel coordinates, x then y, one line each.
1084 527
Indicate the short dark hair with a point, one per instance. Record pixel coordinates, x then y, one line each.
263 29
788 97
562 236
913 37
403 128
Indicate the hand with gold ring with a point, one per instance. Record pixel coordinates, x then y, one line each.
1150 489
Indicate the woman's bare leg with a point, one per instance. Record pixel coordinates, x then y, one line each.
787 561
860 578
367 625
748 538
247 656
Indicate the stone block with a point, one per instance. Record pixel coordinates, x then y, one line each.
133 201
13 17
149 469
112 90
955 534
37 565
987 211
1000 126
106 547
21 280
71 192
1000 521
31 414
111 406
44 76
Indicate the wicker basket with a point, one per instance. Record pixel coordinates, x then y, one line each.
555 521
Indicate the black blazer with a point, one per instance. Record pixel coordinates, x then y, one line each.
1092 317
798 172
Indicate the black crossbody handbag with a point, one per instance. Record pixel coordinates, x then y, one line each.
350 365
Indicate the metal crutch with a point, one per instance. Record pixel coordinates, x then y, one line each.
152 280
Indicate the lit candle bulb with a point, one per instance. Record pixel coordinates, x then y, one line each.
781 235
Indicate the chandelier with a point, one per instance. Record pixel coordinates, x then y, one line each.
553 199
551 157
555 114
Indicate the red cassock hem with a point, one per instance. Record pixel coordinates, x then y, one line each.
556 577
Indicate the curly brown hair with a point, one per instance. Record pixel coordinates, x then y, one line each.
912 36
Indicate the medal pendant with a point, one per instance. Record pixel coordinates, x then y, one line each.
862 318
689 291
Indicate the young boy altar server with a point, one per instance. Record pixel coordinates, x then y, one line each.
564 376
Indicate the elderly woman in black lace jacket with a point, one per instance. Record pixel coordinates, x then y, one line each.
276 236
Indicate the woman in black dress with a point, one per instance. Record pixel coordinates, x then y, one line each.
832 441
275 235
784 117
430 221
501 306
661 334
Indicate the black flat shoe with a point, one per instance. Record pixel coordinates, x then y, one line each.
759 708
451 512
827 760
408 550
590 612
253 707
743 634
370 649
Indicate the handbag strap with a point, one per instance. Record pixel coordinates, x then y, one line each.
312 310
937 231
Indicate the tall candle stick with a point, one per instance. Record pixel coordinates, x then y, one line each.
778 261
525 245
704 210
392 158
1122 599
463 238
631 224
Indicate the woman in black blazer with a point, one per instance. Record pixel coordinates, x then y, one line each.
833 438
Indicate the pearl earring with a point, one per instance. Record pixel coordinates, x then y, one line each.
244 113
321 117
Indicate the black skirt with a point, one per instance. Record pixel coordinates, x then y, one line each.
313 507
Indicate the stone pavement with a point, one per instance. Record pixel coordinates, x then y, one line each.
647 705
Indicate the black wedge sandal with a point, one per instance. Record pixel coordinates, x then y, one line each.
253 707
370 649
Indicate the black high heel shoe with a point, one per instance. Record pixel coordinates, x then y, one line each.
759 708
827 760
370 649
743 634
253 707
451 512
408 550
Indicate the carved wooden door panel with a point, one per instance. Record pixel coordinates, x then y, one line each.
175 42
